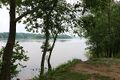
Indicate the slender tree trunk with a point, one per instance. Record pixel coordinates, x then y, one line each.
6 66
110 52
47 37
109 27
49 57
44 53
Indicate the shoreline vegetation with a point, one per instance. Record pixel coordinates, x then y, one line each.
93 69
4 36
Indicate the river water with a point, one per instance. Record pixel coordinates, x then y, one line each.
64 51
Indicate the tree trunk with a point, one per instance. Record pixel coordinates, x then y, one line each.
47 37
110 52
49 57
7 55
109 28
44 54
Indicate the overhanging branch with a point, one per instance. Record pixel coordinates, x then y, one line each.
26 13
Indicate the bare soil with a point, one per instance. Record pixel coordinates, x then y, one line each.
112 71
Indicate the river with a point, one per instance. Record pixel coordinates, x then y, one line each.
64 51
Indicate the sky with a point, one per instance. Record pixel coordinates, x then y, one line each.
4 20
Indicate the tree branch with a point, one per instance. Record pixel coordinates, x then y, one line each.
26 13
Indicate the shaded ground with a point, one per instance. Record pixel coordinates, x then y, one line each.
109 68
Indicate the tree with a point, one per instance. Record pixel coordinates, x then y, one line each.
100 27
23 8
54 18
42 19
7 55
63 19
18 55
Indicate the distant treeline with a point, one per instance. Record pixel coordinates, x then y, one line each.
32 36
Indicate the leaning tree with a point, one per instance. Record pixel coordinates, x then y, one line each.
55 17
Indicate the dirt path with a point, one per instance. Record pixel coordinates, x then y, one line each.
112 71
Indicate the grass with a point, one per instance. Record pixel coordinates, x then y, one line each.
71 76
63 72
105 61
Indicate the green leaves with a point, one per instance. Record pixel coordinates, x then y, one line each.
19 53
96 5
17 56
101 27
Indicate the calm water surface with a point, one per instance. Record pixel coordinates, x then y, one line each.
64 50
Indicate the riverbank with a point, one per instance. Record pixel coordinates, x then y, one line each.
94 69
